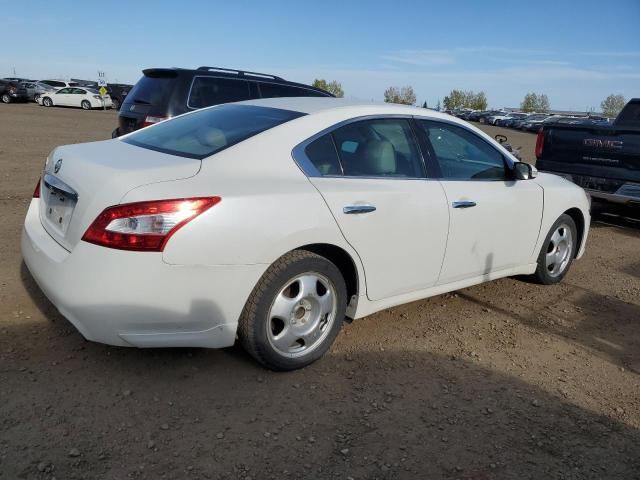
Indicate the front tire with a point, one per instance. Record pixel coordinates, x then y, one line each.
47 102
295 311
558 251
86 105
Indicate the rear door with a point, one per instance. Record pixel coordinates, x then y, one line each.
77 96
494 219
371 175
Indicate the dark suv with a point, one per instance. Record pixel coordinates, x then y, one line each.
166 92
12 91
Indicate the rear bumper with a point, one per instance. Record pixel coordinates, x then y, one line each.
615 198
135 299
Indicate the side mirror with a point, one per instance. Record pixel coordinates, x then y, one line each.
525 171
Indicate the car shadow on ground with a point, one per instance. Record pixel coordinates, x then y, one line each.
574 313
76 409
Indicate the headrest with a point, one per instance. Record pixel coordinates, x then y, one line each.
380 157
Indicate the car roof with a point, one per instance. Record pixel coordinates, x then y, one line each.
312 105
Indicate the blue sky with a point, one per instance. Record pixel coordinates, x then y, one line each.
577 52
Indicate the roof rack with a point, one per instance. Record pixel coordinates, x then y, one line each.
240 73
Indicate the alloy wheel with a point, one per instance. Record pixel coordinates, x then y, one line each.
302 314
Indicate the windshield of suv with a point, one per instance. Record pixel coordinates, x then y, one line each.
205 132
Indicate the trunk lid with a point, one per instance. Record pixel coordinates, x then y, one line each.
80 181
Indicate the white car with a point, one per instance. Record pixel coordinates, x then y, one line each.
269 221
81 97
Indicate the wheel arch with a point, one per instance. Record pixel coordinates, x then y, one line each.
578 217
347 266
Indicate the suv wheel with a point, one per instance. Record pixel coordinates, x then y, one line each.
295 311
6 98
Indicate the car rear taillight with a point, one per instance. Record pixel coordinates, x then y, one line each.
150 120
539 144
145 226
36 192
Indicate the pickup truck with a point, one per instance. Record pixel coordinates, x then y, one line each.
604 159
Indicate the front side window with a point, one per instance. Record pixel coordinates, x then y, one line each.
378 148
461 154
205 132
208 91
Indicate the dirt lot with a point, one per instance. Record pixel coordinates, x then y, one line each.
506 380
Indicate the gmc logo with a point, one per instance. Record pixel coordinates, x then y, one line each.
596 142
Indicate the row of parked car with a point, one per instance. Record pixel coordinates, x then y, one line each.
529 122
75 93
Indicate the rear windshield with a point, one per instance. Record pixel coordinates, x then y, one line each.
205 132
154 90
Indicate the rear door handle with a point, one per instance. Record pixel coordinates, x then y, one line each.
463 204
357 209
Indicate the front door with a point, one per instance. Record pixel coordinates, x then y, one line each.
494 219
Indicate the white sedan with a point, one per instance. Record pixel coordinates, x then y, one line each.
85 98
270 221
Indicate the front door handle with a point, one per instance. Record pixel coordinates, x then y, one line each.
356 209
463 204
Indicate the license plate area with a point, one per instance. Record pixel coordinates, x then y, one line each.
58 210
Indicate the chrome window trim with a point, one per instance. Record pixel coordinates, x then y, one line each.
309 169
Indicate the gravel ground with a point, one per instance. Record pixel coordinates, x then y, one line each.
500 381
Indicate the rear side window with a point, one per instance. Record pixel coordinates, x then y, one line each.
378 148
205 132
273 90
152 90
322 153
208 91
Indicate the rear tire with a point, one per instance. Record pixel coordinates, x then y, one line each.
86 105
295 311
557 252
115 104
6 98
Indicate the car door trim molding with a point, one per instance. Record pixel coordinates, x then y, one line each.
309 169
